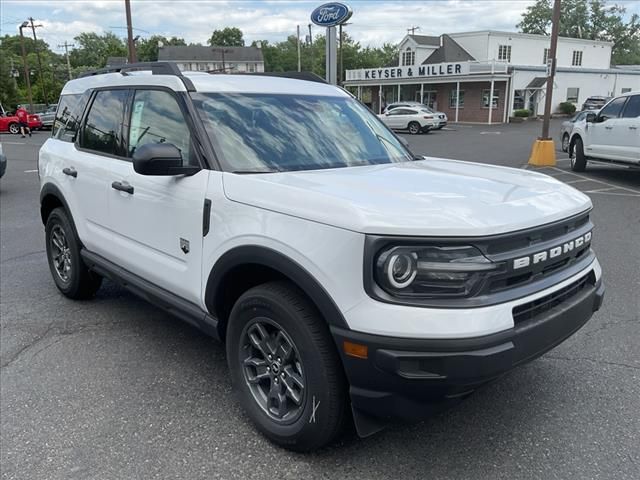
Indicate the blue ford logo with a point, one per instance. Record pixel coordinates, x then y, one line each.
331 14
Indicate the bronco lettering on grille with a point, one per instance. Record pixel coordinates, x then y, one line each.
552 253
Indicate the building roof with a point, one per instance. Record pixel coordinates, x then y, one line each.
425 40
199 53
529 35
450 51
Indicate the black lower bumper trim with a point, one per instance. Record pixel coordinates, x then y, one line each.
414 378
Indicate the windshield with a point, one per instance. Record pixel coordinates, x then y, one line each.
276 133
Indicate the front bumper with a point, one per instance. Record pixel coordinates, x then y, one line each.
413 378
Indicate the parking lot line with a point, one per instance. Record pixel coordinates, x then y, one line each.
598 181
30 171
576 181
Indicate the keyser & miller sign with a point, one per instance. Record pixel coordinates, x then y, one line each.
429 70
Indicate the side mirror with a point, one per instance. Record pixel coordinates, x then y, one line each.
591 117
160 159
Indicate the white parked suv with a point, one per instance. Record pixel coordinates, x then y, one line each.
348 278
414 119
611 135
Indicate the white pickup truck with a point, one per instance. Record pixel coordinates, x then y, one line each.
611 135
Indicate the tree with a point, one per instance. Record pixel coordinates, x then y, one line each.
228 37
147 48
589 19
93 49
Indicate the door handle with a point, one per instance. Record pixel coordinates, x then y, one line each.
123 187
632 127
72 172
608 128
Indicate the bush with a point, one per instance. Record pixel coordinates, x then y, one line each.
567 108
523 113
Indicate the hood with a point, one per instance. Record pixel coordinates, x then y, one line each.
429 197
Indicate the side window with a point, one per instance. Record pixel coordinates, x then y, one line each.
613 109
632 110
102 130
156 118
68 114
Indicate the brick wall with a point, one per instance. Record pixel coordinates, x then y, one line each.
473 109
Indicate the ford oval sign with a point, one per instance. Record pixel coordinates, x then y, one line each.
331 14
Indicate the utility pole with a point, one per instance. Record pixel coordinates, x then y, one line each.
412 30
543 150
35 47
66 52
311 45
13 75
130 43
552 71
298 33
26 67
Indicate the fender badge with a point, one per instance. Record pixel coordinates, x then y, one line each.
184 245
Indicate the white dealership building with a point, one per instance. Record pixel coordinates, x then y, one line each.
462 74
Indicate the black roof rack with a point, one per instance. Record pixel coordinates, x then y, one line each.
157 68
308 76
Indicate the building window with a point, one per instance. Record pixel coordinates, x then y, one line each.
504 53
251 67
545 56
572 94
576 60
485 98
518 99
452 99
202 67
408 57
625 90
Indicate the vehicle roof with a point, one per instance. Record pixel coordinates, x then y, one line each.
205 82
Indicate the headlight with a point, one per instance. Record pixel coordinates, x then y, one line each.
432 271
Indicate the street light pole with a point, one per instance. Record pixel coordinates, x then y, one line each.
26 66
543 153
35 47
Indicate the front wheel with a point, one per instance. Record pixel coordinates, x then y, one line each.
284 367
578 160
414 128
14 128
69 272
565 143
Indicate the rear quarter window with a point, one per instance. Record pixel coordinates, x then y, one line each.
68 115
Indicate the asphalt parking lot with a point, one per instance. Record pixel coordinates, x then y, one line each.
115 388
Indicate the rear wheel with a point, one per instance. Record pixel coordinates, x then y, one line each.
69 272
414 128
14 128
284 367
578 160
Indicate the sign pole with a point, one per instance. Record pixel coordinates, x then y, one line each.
331 55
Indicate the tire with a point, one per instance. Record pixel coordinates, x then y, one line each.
414 128
313 411
14 128
565 142
578 160
69 272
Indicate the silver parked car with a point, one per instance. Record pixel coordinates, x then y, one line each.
440 116
567 127
48 116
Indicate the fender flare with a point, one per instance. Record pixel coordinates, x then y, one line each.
267 257
53 190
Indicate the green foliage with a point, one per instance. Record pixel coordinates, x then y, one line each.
283 56
522 113
92 50
227 37
589 19
147 48
567 108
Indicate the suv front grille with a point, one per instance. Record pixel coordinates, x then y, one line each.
530 310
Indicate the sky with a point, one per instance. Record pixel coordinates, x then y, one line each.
373 22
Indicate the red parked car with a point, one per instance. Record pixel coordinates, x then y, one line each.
11 124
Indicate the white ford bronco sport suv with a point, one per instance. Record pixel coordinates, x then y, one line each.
612 135
348 278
